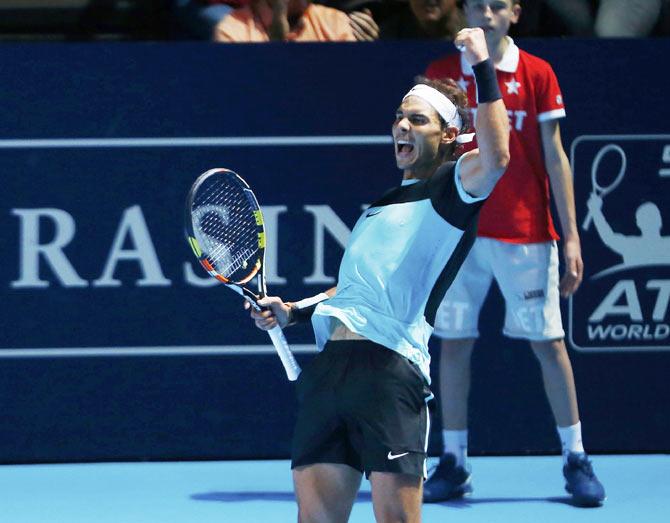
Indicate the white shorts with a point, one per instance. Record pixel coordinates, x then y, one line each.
527 275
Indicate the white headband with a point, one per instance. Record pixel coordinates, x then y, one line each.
444 107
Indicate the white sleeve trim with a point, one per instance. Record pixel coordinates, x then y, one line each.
465 196
551 115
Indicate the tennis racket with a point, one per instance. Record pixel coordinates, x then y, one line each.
603 190
224 227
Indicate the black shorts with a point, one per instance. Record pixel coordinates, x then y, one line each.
365 406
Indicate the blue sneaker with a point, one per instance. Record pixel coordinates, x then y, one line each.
448 481
581 481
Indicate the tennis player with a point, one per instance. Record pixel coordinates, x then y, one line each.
516 247
363 397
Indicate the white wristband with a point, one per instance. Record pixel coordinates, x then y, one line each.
309 302
302 310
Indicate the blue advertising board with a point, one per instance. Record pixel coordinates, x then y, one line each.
623 182
115 344
106 244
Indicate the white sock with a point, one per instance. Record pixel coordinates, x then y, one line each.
456 442
571 439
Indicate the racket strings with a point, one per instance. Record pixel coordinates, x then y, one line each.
225 219
241 261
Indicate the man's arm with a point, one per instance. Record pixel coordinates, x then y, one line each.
481 169
279 312
560 177
279 26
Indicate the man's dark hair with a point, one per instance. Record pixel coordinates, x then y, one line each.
449 88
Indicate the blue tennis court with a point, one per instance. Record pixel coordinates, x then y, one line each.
507 489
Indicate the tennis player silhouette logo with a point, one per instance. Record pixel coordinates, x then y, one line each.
648 248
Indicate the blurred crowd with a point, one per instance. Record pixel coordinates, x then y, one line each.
315 20
367 20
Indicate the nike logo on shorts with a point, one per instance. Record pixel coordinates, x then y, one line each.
392 456
373 213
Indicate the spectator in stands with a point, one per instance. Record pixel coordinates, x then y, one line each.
424 19
627 17
364 15
200 17
612 18
284 20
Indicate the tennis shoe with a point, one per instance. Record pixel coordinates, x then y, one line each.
581 482
448 481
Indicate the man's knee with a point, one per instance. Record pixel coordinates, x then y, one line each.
316 508
395 515
325 492
318 513
396 497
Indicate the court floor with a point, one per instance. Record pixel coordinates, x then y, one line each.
507 489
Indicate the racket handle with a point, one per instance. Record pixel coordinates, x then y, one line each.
285 355
587 221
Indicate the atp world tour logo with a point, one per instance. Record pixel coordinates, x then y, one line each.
622 188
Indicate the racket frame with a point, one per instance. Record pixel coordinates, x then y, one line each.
276 334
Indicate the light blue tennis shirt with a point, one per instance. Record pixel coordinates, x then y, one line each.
402 255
